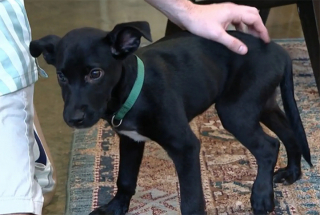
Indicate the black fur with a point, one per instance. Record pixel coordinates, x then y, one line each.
184 76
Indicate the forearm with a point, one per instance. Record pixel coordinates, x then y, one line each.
175 10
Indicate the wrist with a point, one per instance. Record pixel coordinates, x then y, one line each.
178 11
183 13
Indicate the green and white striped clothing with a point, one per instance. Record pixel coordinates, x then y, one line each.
17 67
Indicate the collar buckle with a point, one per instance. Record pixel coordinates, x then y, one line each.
112 122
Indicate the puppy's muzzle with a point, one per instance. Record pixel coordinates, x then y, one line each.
76 118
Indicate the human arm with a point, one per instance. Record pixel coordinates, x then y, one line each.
211 21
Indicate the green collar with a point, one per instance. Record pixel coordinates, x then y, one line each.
136 89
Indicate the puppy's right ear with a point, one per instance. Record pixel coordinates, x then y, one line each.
45 46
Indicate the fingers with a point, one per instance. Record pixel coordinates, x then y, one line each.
211 21
252 19
232 43
253 32
240 27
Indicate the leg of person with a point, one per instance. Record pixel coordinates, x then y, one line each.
45 173
19 191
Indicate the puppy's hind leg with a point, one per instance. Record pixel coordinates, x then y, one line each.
275 119
242 120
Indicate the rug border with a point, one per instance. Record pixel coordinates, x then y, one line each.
297 39
67 207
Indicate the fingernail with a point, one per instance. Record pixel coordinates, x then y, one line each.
242 50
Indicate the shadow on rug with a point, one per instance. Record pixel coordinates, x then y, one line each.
228 169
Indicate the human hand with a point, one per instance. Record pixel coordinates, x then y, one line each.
211 22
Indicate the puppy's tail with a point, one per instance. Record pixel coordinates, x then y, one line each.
292 112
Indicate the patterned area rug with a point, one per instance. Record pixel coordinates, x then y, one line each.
228 169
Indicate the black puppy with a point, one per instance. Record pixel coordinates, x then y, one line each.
184 75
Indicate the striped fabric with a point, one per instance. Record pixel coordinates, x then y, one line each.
17 67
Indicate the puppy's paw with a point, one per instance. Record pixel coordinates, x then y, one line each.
115 207
108 211
287 175
262 202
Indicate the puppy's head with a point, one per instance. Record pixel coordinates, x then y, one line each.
88 66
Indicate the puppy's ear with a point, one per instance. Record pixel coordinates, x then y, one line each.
124 39
45 46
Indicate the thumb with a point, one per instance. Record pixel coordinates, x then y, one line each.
232 43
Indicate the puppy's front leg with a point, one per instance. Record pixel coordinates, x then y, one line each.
184 151
131 153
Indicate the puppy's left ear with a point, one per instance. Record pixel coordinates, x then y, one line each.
125 38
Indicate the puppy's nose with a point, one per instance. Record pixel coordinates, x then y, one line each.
77 117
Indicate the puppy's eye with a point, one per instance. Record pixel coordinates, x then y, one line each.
95 74
62 78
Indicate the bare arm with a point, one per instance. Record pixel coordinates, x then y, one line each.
211 21
175 10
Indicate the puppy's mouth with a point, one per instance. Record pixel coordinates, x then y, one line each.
84 117
82 124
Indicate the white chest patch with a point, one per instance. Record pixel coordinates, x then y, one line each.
135 136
